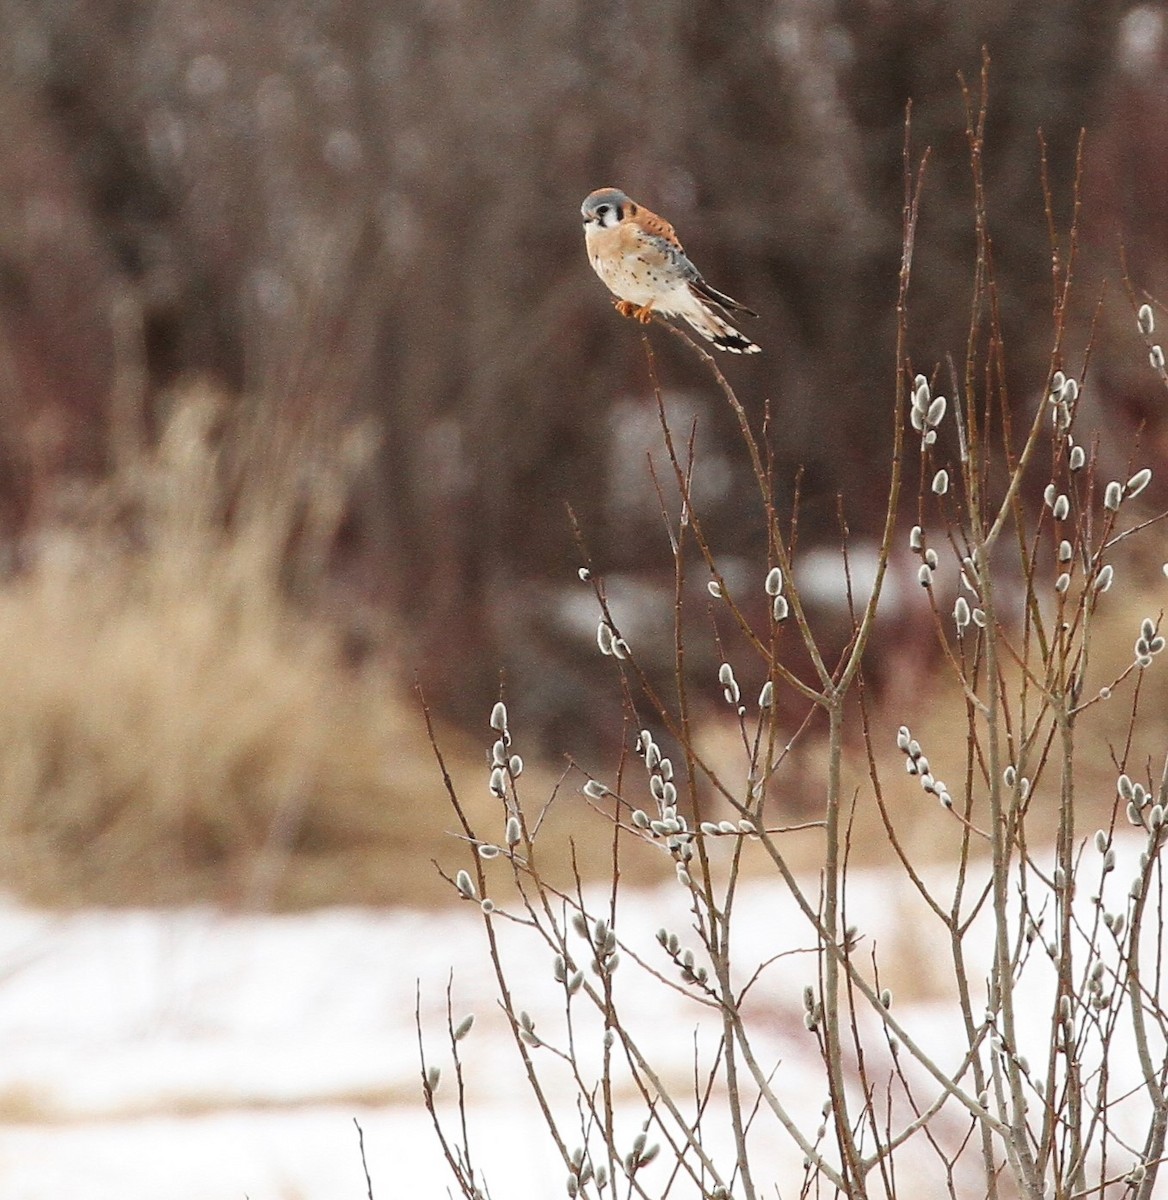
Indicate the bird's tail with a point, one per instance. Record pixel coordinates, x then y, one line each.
714 329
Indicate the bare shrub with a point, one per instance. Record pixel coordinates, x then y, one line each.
1045 1074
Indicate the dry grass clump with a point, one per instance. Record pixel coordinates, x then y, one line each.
172 727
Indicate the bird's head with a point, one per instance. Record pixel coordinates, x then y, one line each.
605 208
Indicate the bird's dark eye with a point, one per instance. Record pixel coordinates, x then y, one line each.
602 210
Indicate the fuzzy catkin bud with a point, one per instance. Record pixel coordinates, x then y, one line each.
1146 320
961 614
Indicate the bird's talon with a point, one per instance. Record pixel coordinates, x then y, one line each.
644 315
624 307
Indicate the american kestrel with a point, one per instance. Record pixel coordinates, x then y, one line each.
638 256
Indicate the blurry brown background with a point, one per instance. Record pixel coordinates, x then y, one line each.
299 345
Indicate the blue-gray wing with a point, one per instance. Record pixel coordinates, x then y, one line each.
673 258
669 256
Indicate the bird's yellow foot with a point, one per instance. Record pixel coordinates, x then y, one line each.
644 315
626 308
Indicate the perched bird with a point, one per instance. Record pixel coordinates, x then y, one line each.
638 256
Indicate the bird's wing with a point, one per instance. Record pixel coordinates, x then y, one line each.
656 249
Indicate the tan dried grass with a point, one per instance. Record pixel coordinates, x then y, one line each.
173 728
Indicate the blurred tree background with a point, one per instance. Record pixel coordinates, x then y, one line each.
360 220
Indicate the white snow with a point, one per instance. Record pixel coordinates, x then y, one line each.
193 1053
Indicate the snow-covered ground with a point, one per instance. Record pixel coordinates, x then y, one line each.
196 1054
191 1054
